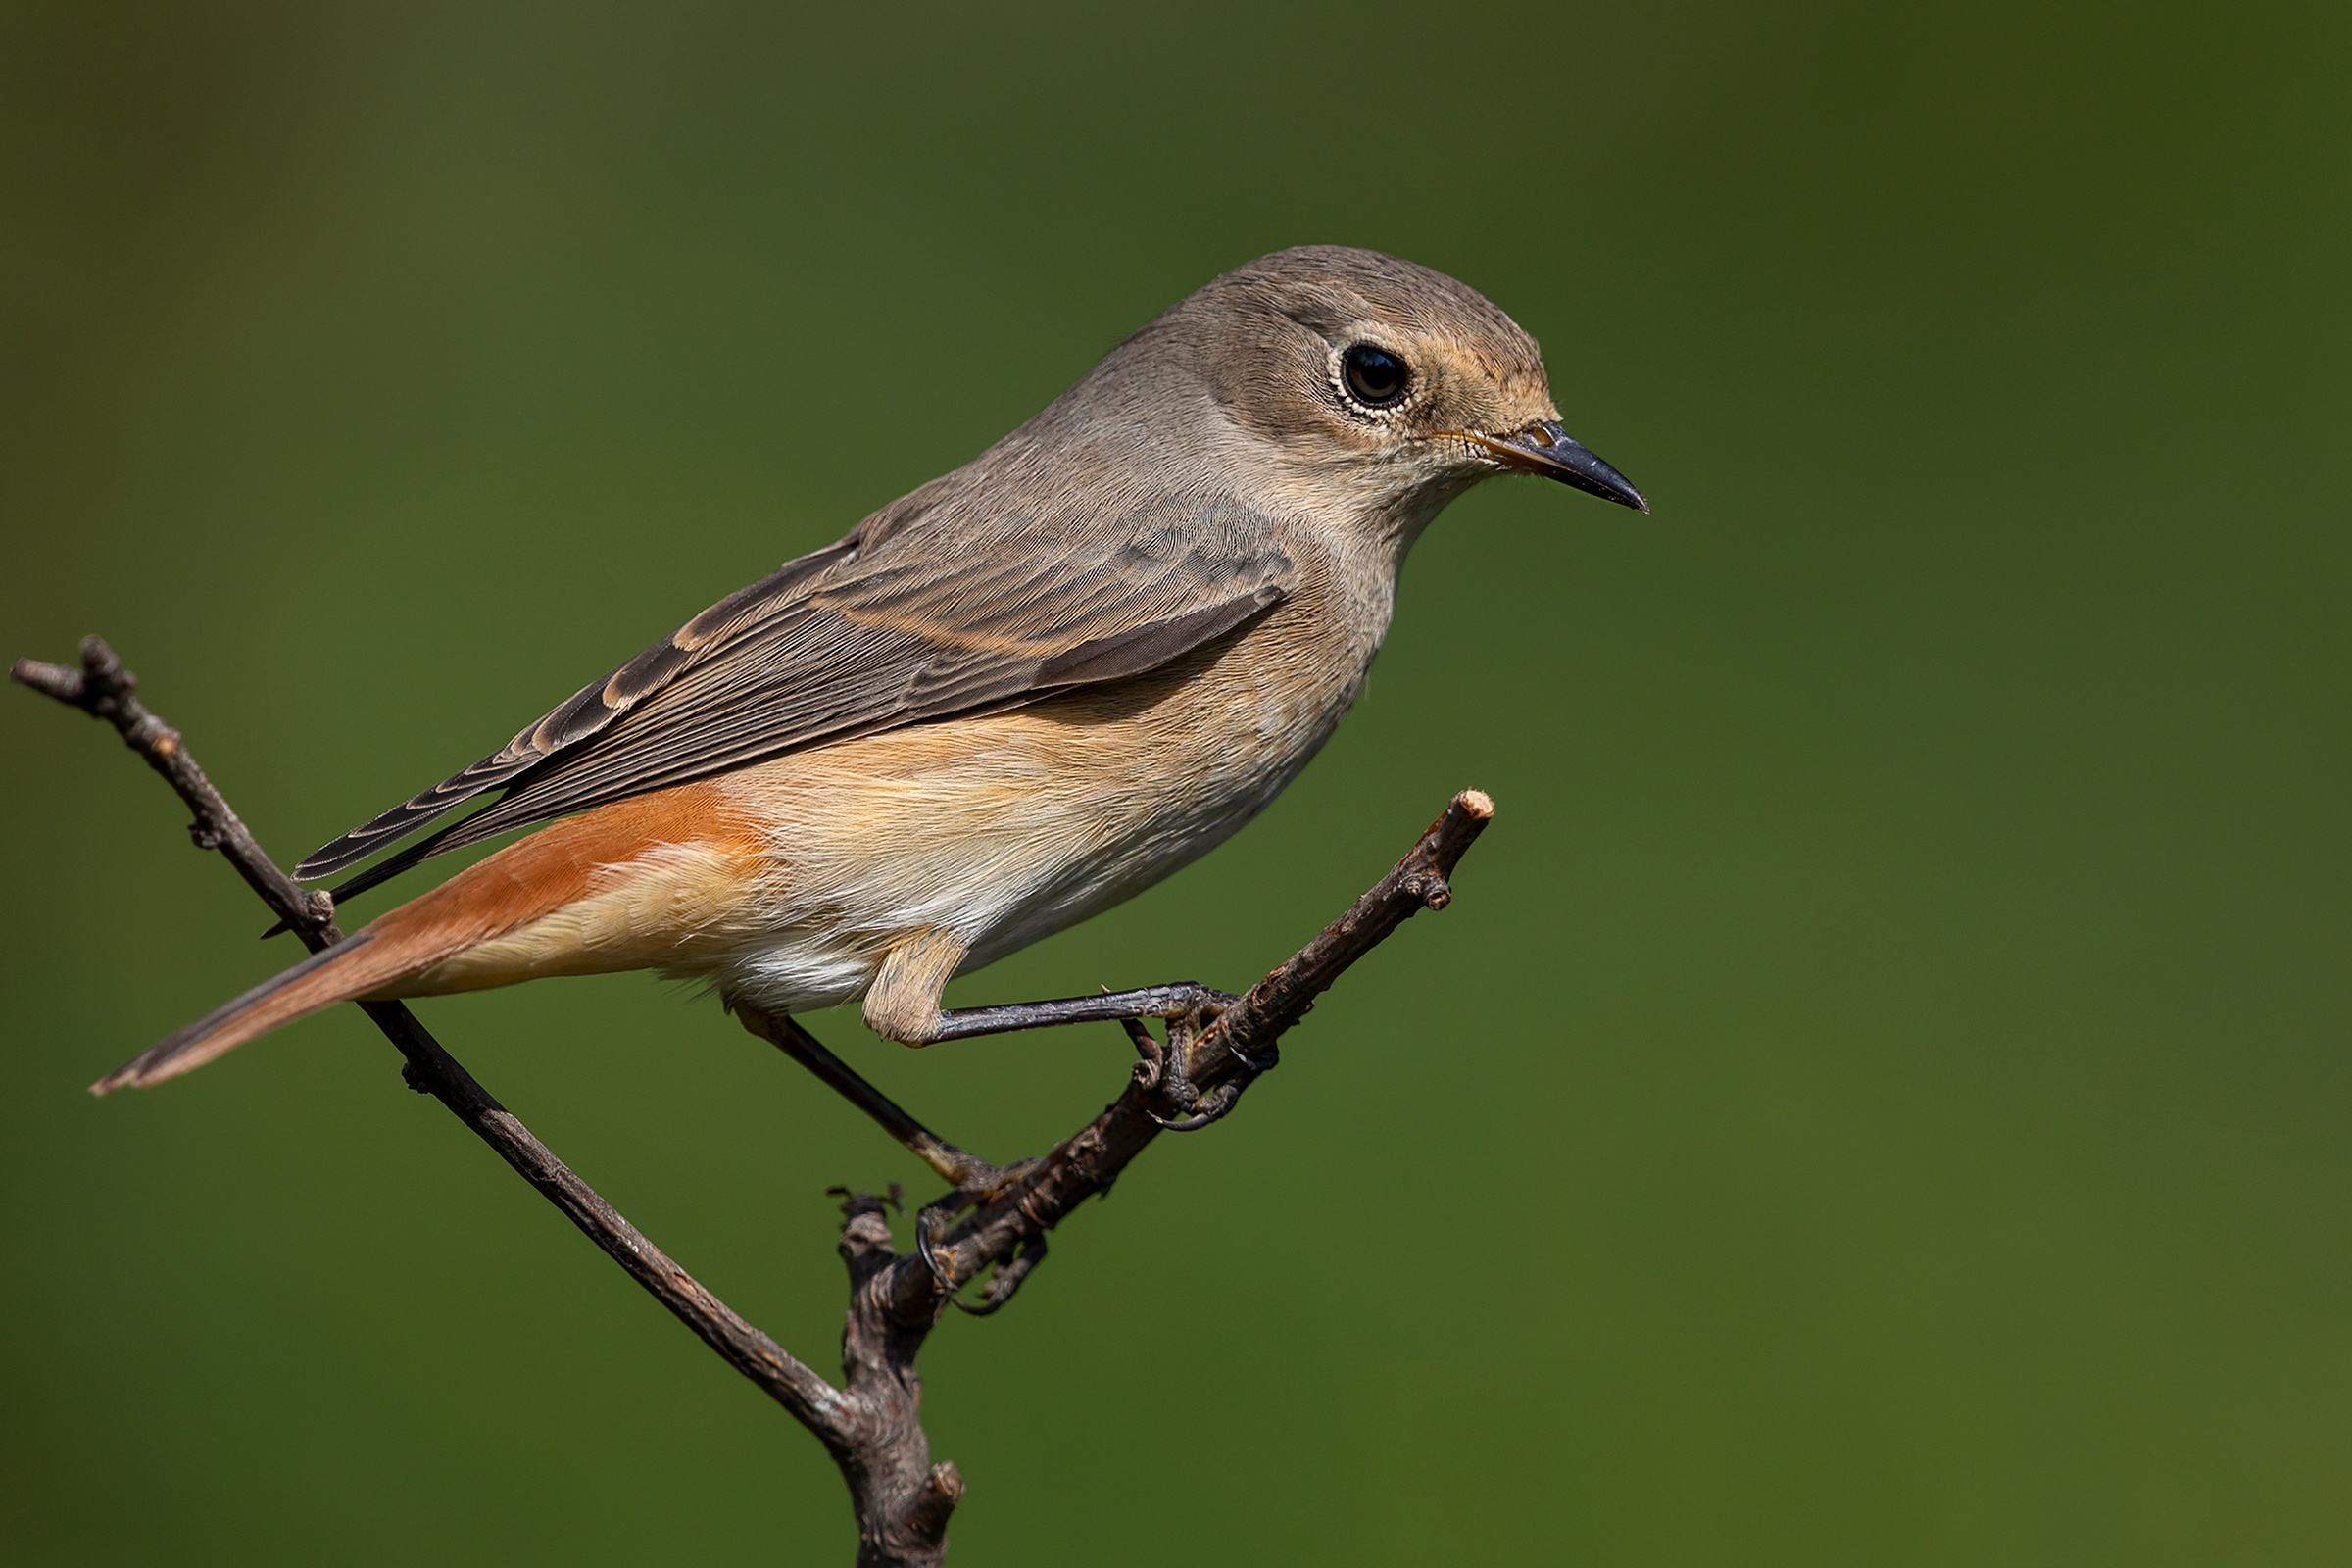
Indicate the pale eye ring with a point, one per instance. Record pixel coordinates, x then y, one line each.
1374 376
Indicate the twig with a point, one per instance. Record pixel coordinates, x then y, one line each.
872 1426
103 688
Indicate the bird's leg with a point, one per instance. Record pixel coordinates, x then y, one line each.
1181 999
967 1172
902 1001
1189 1008
1163 1069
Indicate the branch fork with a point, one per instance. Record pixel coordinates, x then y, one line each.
872 1423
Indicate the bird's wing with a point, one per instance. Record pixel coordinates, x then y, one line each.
900 623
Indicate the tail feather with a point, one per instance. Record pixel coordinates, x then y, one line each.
338 973
517 885
479 901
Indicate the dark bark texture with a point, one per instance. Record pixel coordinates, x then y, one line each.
992 1221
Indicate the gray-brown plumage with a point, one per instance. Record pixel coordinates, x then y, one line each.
1009 699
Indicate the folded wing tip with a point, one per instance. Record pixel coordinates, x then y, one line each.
142 1071
327 859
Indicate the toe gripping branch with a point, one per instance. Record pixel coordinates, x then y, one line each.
931 1226
1165 1070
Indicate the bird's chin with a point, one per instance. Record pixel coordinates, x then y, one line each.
1405 512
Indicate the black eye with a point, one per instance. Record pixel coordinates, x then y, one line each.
1376 377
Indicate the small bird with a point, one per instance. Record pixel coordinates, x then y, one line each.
999 705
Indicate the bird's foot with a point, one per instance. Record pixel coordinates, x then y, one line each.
931 1227
1166 1069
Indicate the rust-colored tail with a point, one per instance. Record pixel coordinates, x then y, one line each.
481 902
517 885
477 903
350 969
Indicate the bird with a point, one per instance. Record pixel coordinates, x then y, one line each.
1002 704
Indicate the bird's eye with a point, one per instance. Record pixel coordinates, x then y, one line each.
1375 377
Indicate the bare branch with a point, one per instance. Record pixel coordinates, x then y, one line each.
872 1426
103 688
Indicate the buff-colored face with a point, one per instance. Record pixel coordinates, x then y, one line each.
1348 361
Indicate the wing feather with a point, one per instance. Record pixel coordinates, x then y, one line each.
931 609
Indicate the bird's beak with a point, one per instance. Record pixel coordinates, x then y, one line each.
1544 449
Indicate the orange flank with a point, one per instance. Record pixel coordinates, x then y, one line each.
636 876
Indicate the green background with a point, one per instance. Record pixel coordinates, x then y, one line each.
1880 1096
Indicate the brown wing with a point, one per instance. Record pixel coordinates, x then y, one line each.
914 618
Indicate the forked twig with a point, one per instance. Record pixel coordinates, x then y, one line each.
872 1424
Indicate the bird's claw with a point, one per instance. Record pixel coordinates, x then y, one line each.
1166 1068
1009 1274
1220 1101
976 1184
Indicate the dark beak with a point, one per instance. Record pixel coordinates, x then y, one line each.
1543 448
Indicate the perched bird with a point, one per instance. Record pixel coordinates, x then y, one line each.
1002 704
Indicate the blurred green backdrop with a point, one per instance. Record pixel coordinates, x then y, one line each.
1894 1043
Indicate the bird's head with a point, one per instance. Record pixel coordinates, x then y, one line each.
1381 386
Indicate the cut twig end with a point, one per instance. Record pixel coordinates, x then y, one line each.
943 1490
922 1529
1477 803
